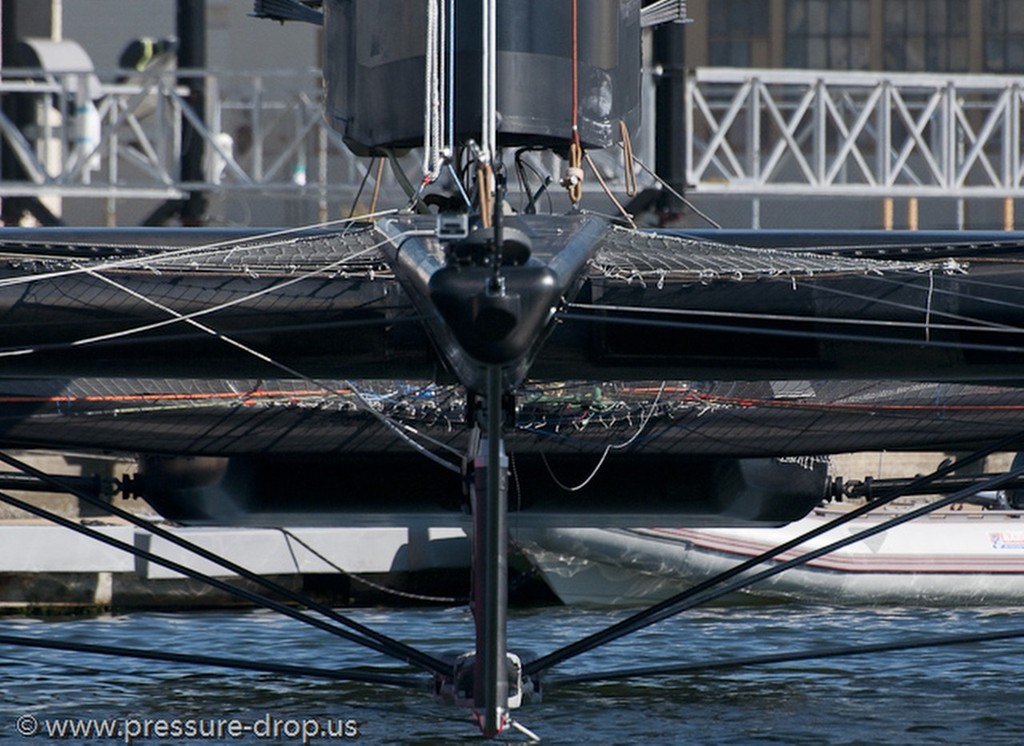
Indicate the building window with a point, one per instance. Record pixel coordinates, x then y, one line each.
926 35
738 33
828 34
1004 36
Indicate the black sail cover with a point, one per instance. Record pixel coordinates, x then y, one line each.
374 67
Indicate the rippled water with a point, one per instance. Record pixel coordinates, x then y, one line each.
958 695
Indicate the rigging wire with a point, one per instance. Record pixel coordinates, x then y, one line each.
289 536
378 180
968 281
672 190
489 76
789 657
981 324
366 637
202 251
163 338
573 181
714 588
608 192
398 429
926 311
629 172
286 669
485 192
521 166
377 162
434 85
866 407
450 51
929 314
246 298
791 333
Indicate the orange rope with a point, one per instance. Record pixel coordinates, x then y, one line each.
575 74
485 187
376 185
573 181
248 396
608 192
627 160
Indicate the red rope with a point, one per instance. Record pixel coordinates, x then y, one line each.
575 74
205 396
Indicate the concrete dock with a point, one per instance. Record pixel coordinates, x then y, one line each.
53 569
47 568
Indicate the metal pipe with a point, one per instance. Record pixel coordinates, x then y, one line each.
191 26
490 579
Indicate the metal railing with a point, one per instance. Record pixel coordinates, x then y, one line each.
262 131
805 132
77 136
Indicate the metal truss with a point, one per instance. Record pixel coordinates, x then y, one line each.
263 132
803 132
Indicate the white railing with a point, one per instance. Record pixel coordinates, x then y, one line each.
787 132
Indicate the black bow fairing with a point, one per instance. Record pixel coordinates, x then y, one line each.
484 305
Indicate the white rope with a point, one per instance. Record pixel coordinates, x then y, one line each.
396 428
490 35
433 139
928 308
180 317
205 250
450 91
442 82
609 448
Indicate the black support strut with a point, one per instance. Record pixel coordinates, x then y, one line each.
716 587
490 565
360 634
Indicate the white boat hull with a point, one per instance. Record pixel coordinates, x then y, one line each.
950 558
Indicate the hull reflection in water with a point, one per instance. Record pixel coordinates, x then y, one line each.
951 557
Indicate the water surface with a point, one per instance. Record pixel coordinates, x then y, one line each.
958 695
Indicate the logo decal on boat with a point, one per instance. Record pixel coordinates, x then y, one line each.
1007 540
